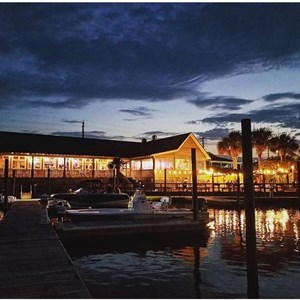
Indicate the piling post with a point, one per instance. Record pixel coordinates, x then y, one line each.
238 182
48 181
6 185
194 191
298 178
252 275
14 183
165 181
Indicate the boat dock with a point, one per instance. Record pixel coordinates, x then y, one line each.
34 263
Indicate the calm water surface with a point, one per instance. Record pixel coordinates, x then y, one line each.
212 266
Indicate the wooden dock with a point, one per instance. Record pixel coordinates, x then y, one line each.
33 262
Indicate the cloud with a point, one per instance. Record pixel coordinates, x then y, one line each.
139 111
279 96
71 121
89 134
284 115
61 55
213 134
220 102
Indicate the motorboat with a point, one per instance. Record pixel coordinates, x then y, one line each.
139 207
57 207
83 199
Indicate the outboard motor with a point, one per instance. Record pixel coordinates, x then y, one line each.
163 203
57 206
140 204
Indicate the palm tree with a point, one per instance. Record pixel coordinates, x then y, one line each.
231 145
284 144
115 166
260 142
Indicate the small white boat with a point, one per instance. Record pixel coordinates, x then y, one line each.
138 207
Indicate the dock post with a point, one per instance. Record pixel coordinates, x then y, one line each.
252 275
238 182
6 185
48 181
194 191
165 181
14 183
298 177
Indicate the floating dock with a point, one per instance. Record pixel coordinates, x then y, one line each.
34 264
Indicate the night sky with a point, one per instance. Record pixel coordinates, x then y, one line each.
133 70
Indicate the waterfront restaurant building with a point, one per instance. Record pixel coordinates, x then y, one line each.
31 156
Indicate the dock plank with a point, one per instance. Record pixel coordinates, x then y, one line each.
34 264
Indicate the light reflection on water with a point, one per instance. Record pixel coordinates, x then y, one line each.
215 269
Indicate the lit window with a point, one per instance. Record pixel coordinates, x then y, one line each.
60 162
135 165
161 164
77 164
182 164
147 164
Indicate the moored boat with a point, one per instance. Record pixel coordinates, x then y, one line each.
80 199
138 208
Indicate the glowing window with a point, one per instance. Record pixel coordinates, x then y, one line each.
182 164
49 163
77 164
135 165
147 164
162 164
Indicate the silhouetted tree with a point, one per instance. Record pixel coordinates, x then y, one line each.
115 165
260 141
231 145
284 144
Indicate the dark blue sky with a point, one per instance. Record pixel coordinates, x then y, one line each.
133 70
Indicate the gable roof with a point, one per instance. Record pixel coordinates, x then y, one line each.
163 145
50 144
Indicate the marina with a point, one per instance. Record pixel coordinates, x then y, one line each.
110 257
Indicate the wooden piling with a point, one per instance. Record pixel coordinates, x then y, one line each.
14 183
165 181
48 181
194 191
6 185
252 275
238 182
298 178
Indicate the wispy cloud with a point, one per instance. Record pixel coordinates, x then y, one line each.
71 121
220 102
139 111
279 96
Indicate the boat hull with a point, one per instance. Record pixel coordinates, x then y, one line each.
95 200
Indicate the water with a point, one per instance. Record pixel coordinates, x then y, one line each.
212 266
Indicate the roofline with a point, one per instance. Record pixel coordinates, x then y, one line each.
198 144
